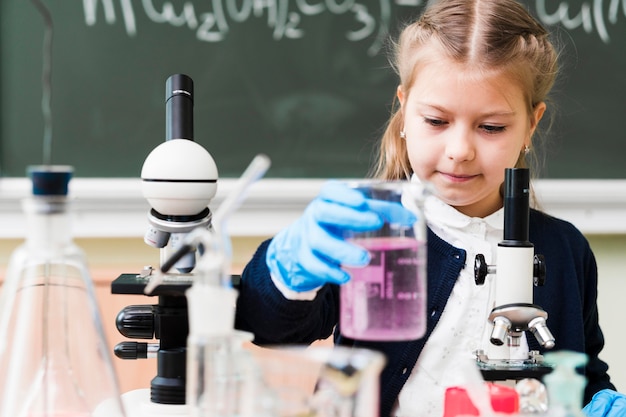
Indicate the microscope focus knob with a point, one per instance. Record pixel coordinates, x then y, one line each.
130 350
136 321
481 269
539 270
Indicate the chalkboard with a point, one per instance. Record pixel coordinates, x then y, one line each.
306 82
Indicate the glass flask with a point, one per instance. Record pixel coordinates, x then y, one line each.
386 299
54 360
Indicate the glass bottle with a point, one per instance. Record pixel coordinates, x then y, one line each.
54 359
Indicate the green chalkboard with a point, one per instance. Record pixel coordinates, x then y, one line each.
306 82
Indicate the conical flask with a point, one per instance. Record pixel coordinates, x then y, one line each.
54 360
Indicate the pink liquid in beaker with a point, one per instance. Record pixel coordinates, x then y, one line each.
385 300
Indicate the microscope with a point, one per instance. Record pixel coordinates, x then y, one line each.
518 270
179 179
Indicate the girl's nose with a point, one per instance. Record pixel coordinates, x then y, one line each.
460 146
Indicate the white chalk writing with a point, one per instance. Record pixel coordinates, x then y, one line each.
592 15
212 20
283 17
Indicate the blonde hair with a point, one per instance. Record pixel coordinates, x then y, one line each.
488 35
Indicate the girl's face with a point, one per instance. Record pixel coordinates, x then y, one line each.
463 128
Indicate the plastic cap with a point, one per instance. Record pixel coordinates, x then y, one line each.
50 179
504 400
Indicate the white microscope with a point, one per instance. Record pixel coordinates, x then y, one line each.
179 179
519 269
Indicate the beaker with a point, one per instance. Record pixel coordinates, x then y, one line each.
222 378
386 299
319 381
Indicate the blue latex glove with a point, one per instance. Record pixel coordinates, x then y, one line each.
310 252
606 403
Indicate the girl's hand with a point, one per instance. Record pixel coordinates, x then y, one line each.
310 252
606 403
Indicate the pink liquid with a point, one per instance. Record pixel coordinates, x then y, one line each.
386 300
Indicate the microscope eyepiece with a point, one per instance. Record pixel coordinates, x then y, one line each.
516 204
179 107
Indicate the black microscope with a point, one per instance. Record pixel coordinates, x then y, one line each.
179 179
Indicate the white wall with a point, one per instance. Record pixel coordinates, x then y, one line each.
610 251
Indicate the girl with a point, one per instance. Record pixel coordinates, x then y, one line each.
474 80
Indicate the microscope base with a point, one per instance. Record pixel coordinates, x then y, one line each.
137 404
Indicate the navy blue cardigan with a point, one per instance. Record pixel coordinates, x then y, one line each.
568 296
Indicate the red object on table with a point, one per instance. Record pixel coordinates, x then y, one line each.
504 400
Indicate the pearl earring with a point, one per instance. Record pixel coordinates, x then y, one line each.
526 150
402 134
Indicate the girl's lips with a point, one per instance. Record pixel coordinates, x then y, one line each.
457 177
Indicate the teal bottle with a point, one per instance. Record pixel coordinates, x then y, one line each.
566 387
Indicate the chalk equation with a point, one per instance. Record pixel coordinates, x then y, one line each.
283 17
593 16
211 20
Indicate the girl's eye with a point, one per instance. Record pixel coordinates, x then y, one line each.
435 122
491 129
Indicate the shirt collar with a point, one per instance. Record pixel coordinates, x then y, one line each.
438 212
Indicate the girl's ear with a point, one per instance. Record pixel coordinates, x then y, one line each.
402 100
538 112
400 95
